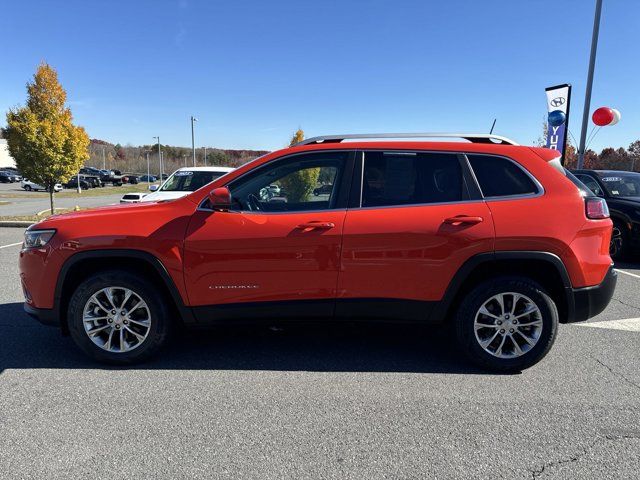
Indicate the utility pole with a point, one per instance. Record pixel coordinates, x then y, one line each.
159 156
193 141
148 172
104 162
205 156
184 159
587 96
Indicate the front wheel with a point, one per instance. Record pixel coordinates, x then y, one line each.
118 317
27 188
507 324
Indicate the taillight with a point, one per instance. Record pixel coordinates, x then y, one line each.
596 208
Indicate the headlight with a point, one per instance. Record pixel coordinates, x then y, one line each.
37 238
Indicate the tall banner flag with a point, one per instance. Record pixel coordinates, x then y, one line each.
558 100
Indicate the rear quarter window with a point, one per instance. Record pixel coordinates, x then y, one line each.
501 177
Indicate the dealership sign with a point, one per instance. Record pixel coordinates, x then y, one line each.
558 99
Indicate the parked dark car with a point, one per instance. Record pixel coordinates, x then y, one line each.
6 177
13 172
323 190
621 190
132 179
147 178
93 176
73 183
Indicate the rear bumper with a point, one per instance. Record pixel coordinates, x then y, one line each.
590 301
45 316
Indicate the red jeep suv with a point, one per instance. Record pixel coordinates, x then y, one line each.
495 238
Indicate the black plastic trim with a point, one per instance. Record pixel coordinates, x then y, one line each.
590 301
185 312
441 310
46 316
376 309
256 312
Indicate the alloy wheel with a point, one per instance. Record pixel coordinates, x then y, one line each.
508 325
116 319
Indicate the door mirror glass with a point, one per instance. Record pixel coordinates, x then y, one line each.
153 188
220 198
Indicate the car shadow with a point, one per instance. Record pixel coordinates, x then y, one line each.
329 347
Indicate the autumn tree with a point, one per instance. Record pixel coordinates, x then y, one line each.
42 139
298 185
634 154
120 154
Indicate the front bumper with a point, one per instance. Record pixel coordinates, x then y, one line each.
45 316
590 301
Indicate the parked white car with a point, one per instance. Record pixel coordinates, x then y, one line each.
184 181
28 185
132 197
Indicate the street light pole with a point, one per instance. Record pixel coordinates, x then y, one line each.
587 96
104 162
193 141
159 156
148 172
205 156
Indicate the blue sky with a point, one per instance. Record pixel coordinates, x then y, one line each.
254 71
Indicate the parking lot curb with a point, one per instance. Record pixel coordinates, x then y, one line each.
16 224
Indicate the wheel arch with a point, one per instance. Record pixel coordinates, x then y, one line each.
544 267
80 265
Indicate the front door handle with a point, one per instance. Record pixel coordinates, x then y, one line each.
315 226
462 220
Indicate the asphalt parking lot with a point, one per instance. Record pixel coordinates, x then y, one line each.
319 402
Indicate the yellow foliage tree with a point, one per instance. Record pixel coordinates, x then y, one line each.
297 137
42 139
299 185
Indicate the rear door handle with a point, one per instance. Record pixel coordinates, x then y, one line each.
462 220
315 226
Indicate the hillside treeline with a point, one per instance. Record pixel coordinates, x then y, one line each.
133 159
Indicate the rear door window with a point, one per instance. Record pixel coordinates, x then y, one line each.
410 178
501 177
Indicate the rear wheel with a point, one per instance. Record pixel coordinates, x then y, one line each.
619 245
118 317
507 324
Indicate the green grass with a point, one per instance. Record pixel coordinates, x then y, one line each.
92 192
34 218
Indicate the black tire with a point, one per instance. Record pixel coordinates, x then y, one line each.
476 298
619 246
160 320
27 188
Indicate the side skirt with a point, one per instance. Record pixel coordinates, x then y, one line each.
359 309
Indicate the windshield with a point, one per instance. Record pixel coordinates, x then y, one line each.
622 185
189 181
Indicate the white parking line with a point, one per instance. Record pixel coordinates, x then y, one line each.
628 324
627 273
11 245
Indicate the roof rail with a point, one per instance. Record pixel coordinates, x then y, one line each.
472 137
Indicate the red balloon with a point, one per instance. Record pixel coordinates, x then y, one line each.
603 116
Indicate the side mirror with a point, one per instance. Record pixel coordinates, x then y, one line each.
153 188
220 199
